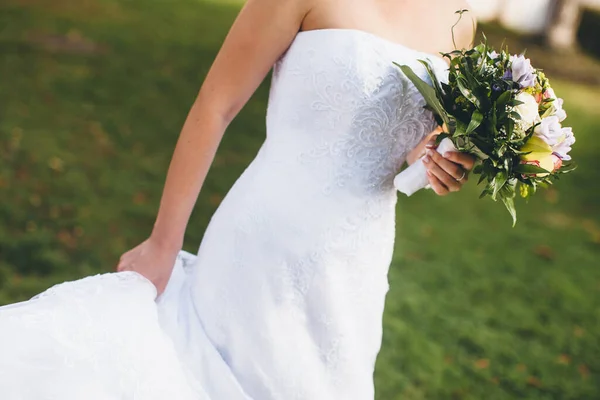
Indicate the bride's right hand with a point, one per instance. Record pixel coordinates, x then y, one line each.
151 259
421 148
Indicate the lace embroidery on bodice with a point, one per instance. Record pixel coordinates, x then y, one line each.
285 297
347 109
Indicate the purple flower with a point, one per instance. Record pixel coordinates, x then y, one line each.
522 71
563 148
558 110
550 130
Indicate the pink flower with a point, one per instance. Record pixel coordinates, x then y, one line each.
549 94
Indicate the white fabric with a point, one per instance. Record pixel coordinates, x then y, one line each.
284 300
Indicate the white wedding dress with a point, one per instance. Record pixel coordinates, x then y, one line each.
284 300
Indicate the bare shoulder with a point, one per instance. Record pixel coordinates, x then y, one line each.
299 7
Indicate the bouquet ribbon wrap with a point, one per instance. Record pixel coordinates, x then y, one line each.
414 177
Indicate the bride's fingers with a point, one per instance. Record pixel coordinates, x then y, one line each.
436 185
121 266
125 262
432 136
466 160
444 170
454 170
430 144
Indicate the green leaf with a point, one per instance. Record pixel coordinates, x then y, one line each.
461 128
509 202
476 120
463 87
481 179
510 128
528 169
515 115
568 166
498 183
427 91
434 80
441 137
504 99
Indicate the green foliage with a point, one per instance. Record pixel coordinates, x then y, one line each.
478 107
85 140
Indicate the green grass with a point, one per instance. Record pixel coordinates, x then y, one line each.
476 310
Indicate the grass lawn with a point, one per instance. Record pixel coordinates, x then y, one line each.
92 96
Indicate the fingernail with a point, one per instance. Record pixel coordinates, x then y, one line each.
428 172
429 153
446 155
426 159
430 145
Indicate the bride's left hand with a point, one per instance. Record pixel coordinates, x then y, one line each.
448 172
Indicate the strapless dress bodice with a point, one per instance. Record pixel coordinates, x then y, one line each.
284 299
340 105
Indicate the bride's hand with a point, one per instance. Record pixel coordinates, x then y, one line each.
446 173
151 259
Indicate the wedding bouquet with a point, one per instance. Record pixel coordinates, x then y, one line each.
501 109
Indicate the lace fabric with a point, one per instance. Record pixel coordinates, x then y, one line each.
285 297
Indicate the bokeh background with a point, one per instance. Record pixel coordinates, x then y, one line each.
93 94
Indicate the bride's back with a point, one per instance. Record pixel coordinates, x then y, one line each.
423 25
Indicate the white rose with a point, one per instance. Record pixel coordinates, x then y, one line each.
528 111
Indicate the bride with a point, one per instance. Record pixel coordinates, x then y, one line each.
284 299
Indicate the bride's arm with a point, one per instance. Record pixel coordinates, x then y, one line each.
261 33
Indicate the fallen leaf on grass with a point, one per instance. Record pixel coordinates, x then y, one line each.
578 331
482 364
558 220
592 229
73 42
139 198
56 164
67 239
564 359
584 371
427 231
413 256
545 252
533 381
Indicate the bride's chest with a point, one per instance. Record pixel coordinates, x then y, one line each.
336 96
346 81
